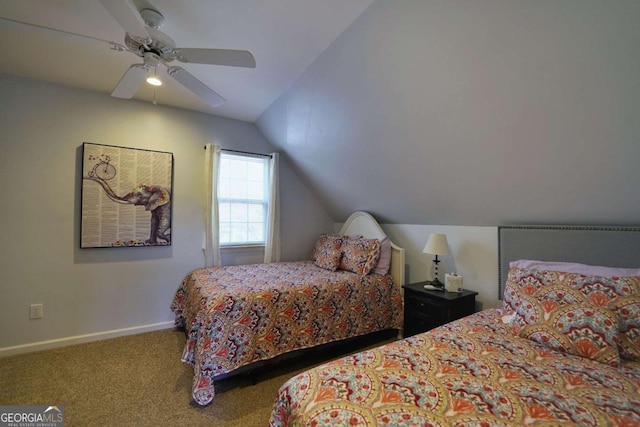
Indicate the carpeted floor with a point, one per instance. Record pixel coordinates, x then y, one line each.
136 380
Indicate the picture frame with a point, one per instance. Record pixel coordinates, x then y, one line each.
126 197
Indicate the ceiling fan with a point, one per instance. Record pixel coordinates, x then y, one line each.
144 39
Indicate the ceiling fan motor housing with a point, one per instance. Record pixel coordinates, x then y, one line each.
151 60
161 44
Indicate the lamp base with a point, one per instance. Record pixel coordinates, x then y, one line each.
437 283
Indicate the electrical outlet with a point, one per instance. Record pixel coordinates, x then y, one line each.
35 311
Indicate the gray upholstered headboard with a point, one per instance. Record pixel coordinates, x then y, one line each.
595 245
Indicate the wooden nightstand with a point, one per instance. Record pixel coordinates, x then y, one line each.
424 309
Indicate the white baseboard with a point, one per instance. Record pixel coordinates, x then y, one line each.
79 339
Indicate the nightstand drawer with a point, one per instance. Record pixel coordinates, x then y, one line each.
423 306
417 324
426 309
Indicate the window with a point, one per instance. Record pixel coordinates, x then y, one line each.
243 199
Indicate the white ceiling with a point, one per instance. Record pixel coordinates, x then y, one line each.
285 36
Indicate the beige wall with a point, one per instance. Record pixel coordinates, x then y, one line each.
98 293
473 254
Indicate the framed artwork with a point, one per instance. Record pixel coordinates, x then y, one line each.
126 197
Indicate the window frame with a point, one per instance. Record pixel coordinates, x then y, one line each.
248 201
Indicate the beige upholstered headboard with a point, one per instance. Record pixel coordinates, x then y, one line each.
365 225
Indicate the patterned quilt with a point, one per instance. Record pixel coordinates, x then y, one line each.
237 315
472 372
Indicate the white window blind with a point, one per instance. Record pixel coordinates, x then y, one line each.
243 199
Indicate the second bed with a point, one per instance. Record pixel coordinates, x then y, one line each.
238 315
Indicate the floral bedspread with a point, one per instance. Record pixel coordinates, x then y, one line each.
472 372
237 315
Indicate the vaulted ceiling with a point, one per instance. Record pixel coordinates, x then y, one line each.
481 112
285 37
418 111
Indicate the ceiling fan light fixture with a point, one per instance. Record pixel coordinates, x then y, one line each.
154 81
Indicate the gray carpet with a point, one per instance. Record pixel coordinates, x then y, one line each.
136 380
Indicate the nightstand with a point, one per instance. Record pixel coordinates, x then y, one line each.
424 309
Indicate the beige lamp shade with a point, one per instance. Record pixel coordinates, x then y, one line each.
437 245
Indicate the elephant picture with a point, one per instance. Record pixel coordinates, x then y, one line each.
155 199
107 225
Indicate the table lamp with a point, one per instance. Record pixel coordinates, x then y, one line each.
437 245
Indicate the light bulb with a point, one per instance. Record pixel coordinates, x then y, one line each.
154 81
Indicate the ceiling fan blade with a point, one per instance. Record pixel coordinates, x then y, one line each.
53 32
129 83
230 57
128 17
203 91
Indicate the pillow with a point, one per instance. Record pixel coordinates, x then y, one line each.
580 329
628 311
329 259
382 267
326 243
359 255
521 282
573 267
621 295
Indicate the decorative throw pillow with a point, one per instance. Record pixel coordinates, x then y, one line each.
574 267
359 255
325 244
522 282
621 295
384 261
628 312
329 259
580 329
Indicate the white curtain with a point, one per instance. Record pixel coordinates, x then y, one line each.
211 223
272 242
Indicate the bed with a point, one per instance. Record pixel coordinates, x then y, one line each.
236 317
564 349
